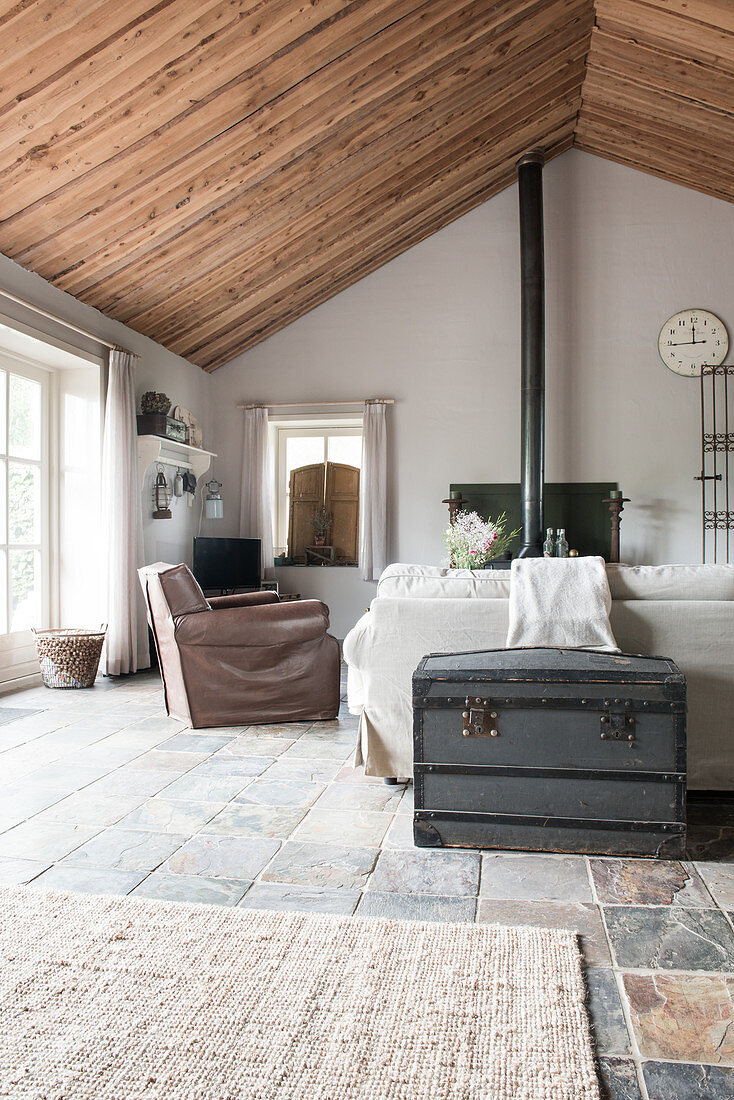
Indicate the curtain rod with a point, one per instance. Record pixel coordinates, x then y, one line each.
316 404
57 320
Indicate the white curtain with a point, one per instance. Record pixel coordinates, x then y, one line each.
126 649
256 507
373 492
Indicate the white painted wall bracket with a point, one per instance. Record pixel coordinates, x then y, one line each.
169 452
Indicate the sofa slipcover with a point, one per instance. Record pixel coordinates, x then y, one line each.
684 612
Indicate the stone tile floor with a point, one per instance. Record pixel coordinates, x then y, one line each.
101 792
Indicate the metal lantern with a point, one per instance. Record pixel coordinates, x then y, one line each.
213 504
162 496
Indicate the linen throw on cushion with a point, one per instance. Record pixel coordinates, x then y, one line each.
256 510
126 646
373 492
560 602
112 998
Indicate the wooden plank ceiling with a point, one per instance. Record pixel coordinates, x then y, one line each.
209 170
659 90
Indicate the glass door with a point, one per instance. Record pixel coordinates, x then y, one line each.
24 497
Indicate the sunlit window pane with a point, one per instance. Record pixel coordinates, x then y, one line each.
3 494
24 500
3 592
24 417
346 449
3 409
25 589
302 451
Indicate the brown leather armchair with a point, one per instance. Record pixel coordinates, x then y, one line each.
239 660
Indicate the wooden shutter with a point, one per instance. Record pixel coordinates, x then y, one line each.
306 495
342 500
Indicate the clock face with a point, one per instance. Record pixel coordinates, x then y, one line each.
692 339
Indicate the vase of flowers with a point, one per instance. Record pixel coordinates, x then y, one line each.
472 541
321 521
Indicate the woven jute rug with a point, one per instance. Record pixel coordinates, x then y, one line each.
120 998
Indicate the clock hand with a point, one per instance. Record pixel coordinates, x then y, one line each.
685 343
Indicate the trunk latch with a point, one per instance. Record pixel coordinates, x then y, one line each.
618 727
477 720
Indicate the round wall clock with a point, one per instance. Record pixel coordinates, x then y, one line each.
692 339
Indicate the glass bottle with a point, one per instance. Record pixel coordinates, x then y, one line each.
561 543
549 546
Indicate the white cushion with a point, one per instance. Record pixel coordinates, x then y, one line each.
671 582
626 582
430 582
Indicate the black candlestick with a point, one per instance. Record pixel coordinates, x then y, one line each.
455 505
616 507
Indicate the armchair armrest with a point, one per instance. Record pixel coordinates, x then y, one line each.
243 599
259 625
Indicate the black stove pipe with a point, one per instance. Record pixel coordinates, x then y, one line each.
532 266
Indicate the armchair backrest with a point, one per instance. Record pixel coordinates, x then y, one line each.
181 590
170 591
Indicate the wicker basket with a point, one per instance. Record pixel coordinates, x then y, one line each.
69 658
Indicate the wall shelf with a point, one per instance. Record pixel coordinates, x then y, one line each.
169 452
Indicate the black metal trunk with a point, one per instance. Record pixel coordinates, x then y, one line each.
550 750
532 266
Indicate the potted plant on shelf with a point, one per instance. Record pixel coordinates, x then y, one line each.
472 541
152 402
321 522
153 418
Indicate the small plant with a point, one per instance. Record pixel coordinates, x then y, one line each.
152 402
321 521
472 541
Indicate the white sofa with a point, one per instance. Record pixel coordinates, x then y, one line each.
685 612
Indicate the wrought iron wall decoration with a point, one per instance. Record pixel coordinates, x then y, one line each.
717 443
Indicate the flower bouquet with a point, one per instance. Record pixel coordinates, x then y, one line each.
472 541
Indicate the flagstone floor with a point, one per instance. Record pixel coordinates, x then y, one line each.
101 792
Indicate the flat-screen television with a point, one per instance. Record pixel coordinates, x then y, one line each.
227 563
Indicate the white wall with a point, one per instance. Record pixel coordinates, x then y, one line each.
438 329
159 369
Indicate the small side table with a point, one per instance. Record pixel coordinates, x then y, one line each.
320 555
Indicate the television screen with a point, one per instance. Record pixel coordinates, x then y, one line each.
227 563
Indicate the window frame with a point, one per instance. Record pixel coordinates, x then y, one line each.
284 429
27 351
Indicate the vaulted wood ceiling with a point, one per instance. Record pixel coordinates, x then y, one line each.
208 170
659 90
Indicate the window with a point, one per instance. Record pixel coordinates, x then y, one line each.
50 429
304 444
24 494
